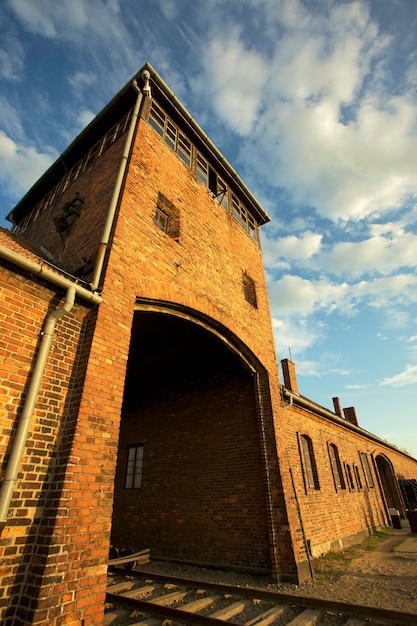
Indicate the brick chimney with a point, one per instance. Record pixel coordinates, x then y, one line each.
290 376
337 407
350 415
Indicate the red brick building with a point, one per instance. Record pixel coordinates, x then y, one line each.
140 396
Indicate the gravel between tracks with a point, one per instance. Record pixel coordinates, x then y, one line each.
377 572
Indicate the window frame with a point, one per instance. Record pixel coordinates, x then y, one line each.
366 468
308 463
336 466
349 477
134 466
200 166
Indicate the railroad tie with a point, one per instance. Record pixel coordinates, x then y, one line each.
201 604
307 618
137 592
169 598
117 616
270 616
231 610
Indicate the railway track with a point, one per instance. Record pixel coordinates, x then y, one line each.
138 598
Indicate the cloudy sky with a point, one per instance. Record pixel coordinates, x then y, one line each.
314 103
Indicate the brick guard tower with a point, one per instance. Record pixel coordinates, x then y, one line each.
155 421
140 398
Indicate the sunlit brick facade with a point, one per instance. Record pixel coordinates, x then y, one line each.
155 413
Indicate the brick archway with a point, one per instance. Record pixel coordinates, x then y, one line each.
389 484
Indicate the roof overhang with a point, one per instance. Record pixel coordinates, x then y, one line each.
121 102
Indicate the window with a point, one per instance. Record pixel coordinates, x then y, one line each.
161 220
358 477
249 290
74 172
134 467
69 214
349 476
201 169
244 218
366 469
311 479
173 137
339 481
193 159
167 217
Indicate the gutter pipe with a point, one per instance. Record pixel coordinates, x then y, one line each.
101 253
295 398
19 443
44 272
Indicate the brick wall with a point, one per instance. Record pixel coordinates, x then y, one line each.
31 551
203 495
204 272
334 517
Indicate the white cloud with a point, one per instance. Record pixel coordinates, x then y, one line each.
295 336
20 166
376 255
12 57
84 118
315 112
293 247
49 18
234 77
80 80
407 377
296 296
10 119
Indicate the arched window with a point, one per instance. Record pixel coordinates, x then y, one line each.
339 481
308 461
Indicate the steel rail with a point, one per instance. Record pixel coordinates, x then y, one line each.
389 615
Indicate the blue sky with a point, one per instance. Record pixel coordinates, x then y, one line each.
315 105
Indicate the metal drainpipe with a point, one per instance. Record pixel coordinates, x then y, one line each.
19 444
101 253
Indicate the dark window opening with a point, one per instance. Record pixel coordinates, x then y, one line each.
336 466
249 290
366 469
134 467
349 477
167 217
358 477
308 461
69 214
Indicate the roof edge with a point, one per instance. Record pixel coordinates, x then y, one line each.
183 112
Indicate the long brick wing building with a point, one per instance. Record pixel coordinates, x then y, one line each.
141 400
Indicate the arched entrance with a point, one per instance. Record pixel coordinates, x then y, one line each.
388 484
191 483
